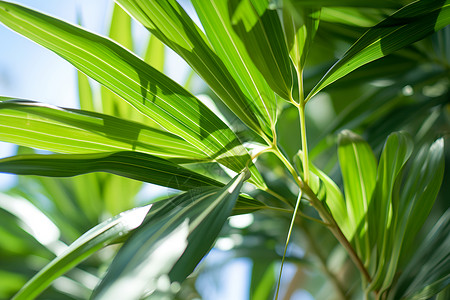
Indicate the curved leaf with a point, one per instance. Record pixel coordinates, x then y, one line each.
216 20
428 270
359 171
416 200
148 90
300 27
406 26
57 129
167 20
260 29
134 165
170 244
352 3
385 201
103 234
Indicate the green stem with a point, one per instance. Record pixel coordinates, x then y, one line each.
301 113
297 205
325 216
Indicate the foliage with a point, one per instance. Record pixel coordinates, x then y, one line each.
248 147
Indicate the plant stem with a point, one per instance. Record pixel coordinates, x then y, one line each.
325 216
297 205
334 228
301 113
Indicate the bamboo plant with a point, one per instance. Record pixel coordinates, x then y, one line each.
362 183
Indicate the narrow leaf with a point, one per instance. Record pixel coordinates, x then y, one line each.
57 129
171 24
416 200
120 32
216 20
134 165
260 29
359 171
384 209
300 27
170 244
428 270
148 90
406 26
352 3
103 234
154 54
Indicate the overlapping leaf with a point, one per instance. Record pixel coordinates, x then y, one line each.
428 270
144 87
42 126
216 19
170 244
414 204
260 29
170 23
396 152
300 27
352 3
134 165
406 26
103 234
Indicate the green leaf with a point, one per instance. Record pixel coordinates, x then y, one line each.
416 200
148 90
103 234
260 29
359 171
120 28
216 20
328 191
382 212
57 129
154 54
300 27
421 187
349 16
170 23
428 270
120 32
166 249
85 92
406 26
352 3
134 165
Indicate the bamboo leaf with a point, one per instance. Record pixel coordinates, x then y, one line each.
154 54
416 200
328 191
103 234
85 92
300 27
134 165
260 29
120 32
385 201
148 90
428 270
57 129
352 3
216 20
170 244
170 23
359 171
406 26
